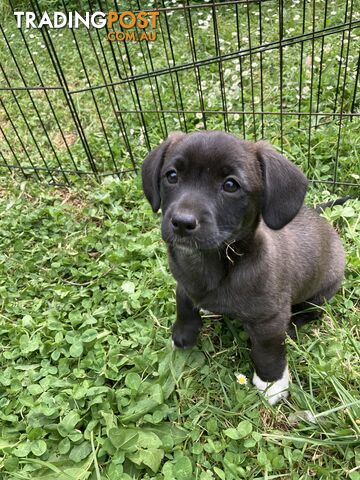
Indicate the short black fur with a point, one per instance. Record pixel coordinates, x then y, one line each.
240 241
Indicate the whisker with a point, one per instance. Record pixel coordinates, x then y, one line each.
228 246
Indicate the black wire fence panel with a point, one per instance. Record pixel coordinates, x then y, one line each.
73 103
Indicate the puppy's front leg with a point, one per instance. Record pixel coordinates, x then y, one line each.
188 321
269 355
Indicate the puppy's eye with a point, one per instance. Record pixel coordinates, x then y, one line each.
230 185
172 176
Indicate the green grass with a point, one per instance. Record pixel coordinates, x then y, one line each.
89 384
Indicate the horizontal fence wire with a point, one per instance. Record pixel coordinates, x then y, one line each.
79 102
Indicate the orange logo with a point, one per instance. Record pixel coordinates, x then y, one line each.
129 20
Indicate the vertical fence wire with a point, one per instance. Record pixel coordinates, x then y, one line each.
261 73
251 70
311 83
342 45
238 33
220 67
343 94
301 61
352 110
321 62
281 34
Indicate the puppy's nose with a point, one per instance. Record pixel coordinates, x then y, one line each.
184 223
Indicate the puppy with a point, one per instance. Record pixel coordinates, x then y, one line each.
241 243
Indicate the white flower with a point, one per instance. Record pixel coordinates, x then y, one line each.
241 378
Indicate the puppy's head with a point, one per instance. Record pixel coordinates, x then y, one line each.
213 188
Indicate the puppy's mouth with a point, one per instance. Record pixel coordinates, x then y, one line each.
210 242
184 244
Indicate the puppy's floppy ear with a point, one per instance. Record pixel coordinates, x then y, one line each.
151 169
284 187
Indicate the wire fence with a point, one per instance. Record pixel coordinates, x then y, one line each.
77 102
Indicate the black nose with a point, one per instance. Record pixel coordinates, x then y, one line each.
184 223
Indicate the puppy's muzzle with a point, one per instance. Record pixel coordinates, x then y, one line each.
184 224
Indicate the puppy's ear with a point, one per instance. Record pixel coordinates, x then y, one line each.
151 169
284 187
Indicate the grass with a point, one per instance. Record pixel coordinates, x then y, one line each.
89 384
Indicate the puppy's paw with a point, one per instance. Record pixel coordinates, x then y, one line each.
183 338
273 391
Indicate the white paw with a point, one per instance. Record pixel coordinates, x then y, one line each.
173 346
274 391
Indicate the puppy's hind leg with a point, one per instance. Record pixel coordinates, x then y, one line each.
301 314
305 312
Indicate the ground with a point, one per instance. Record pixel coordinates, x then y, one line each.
90 387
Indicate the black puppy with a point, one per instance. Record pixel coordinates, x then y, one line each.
241 243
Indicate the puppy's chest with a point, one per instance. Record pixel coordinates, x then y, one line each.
215 285
198 274
210 285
